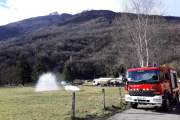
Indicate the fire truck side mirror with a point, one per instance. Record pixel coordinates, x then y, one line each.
124 80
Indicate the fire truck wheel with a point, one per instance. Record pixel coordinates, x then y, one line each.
166 104
176 100
133 105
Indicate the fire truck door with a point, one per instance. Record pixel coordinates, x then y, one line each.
173 80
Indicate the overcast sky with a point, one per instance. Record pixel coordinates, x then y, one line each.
15 10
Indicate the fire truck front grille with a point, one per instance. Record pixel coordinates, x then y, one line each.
144 93
142 100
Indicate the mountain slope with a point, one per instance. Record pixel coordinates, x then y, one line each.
83 41
87 16
26 26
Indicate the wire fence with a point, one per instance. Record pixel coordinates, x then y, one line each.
93 103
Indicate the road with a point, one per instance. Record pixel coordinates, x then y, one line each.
148 112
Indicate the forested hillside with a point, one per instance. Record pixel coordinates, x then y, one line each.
84 41
25 27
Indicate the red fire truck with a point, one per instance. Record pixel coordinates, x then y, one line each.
152 85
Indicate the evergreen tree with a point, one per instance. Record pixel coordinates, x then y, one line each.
117 71
67 75
122 69
39 68
23 71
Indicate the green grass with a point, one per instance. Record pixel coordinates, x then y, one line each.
26 104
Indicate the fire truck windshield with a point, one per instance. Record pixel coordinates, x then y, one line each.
143 76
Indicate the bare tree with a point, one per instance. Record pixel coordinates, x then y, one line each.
142 28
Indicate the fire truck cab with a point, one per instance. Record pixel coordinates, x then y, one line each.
152 85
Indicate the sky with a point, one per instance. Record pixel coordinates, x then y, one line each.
16 10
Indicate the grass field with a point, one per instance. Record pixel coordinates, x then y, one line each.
23 103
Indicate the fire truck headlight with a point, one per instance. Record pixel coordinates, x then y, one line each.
127 92
157 99
128 98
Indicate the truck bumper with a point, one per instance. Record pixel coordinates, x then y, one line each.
143 99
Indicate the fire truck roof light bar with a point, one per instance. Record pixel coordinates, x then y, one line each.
154 65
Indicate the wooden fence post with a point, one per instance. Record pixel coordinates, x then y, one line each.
73 106
120 97
103 98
